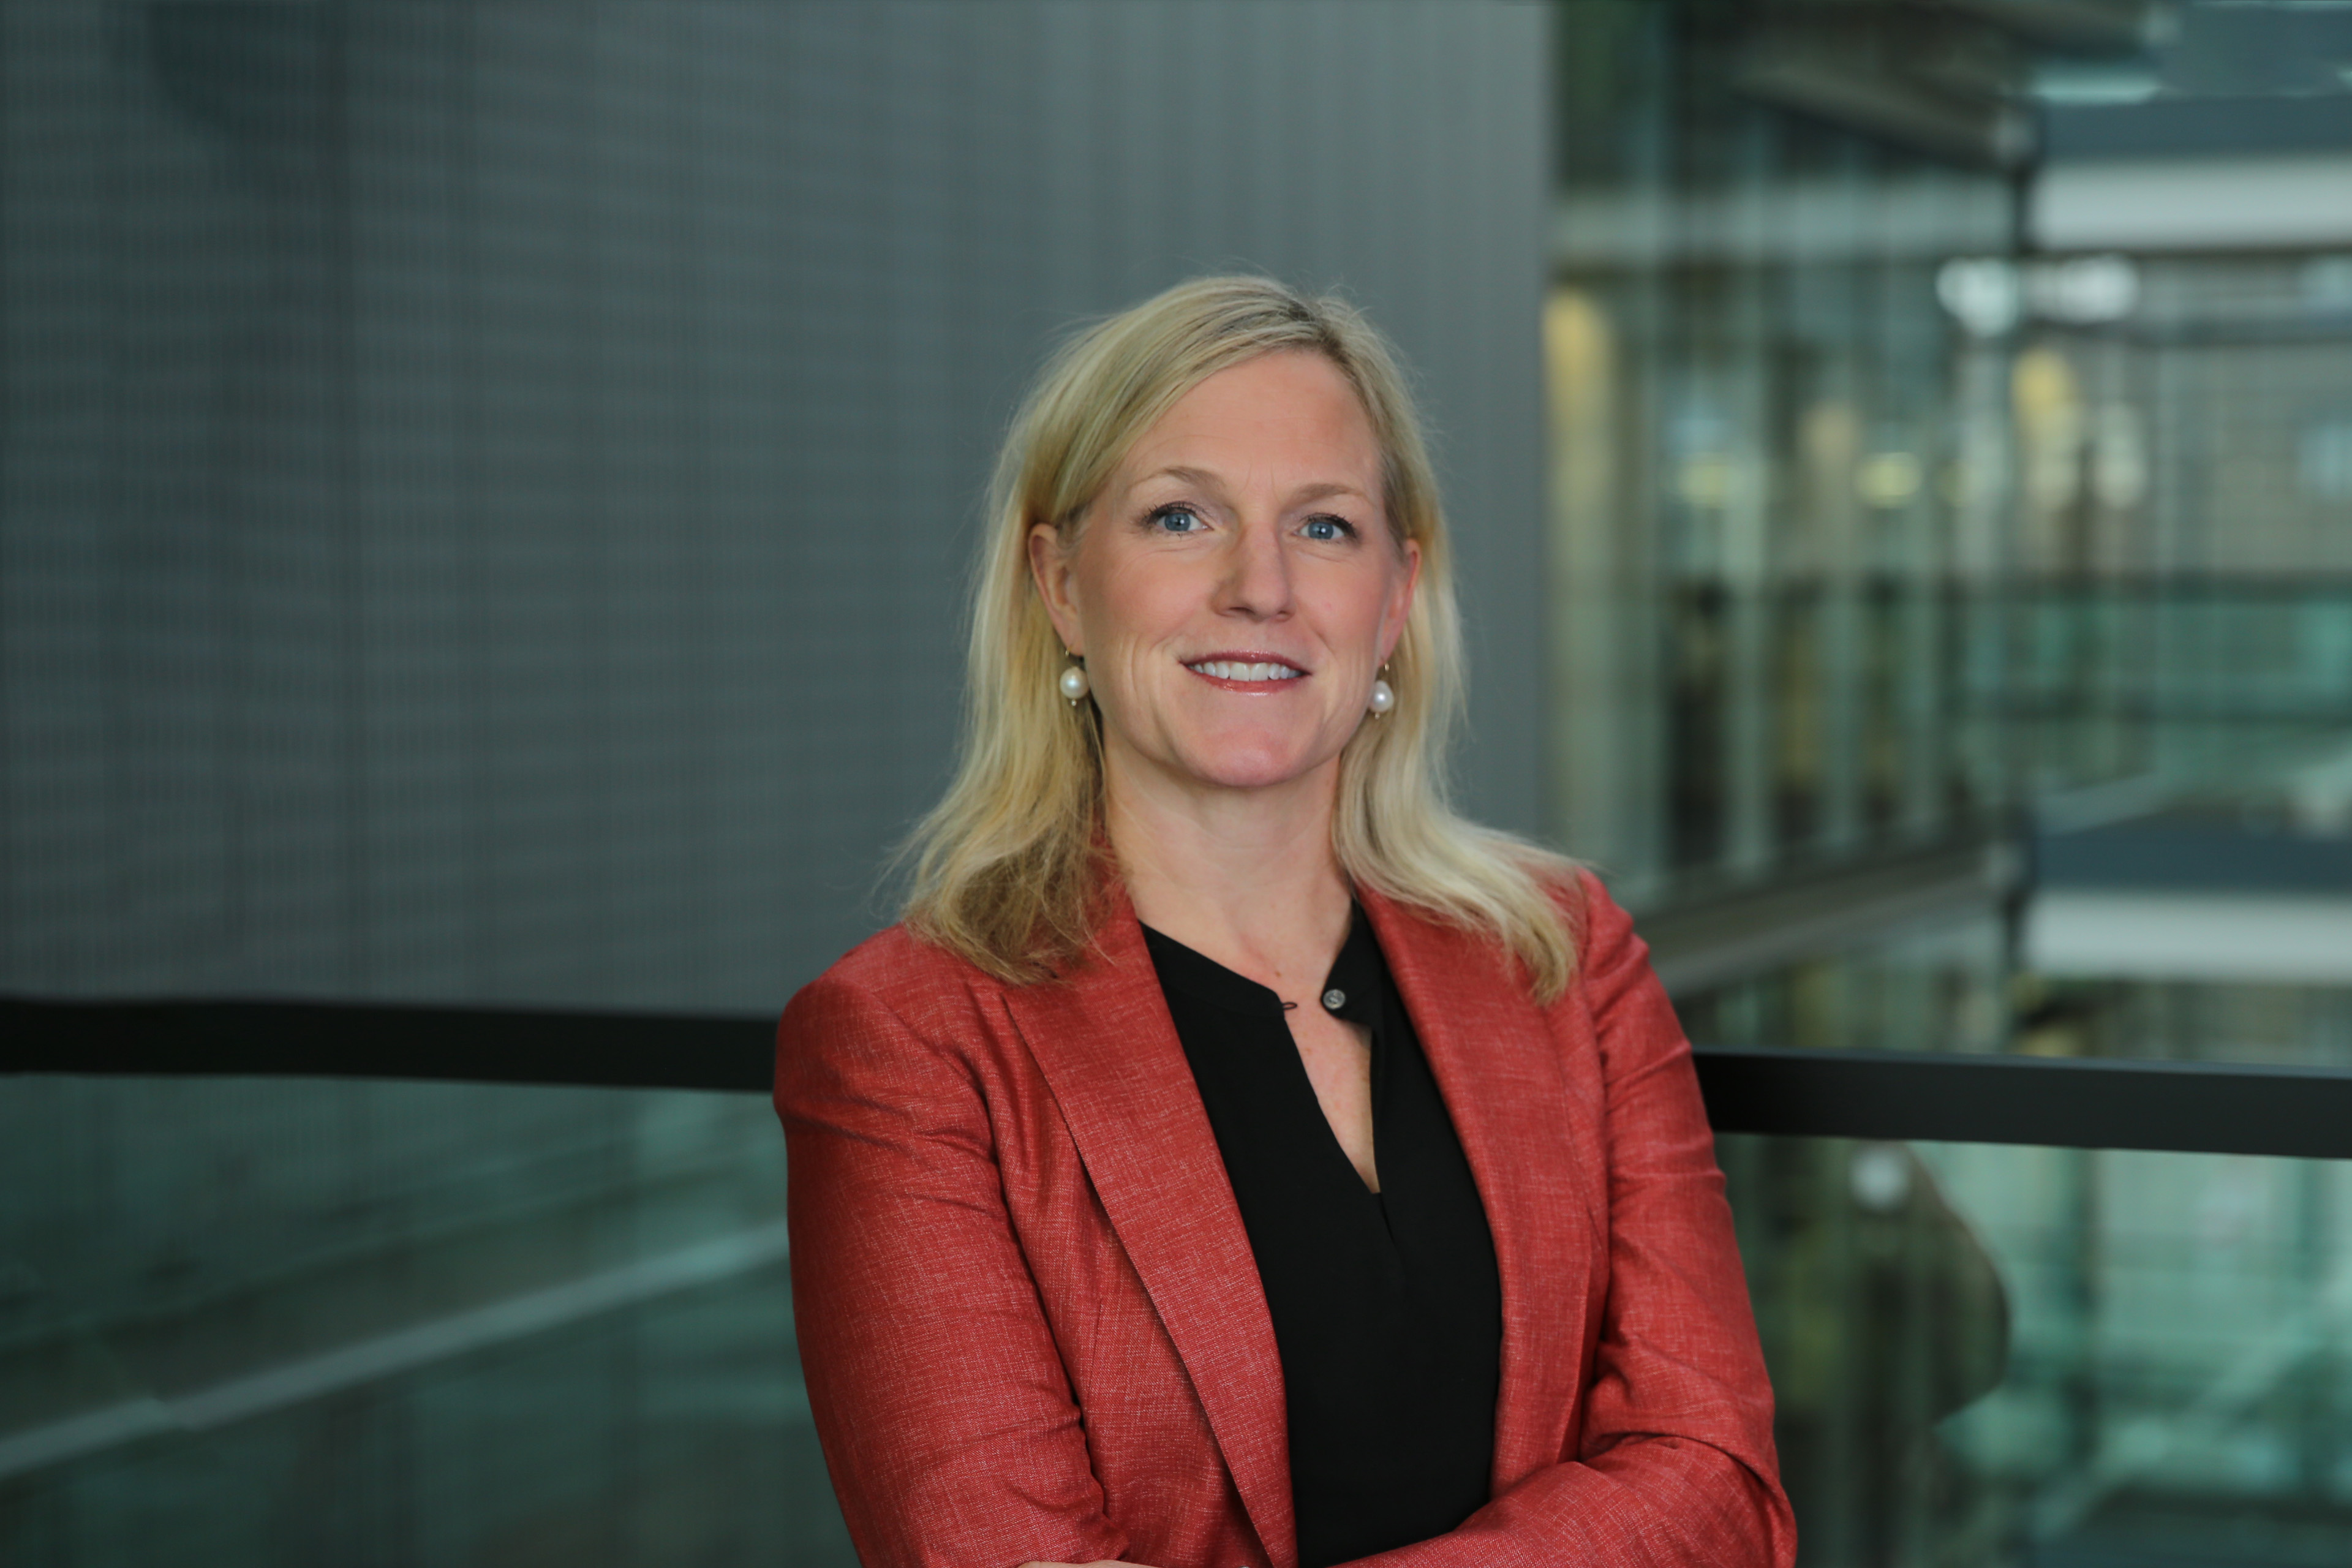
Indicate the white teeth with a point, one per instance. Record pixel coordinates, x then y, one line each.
1228 670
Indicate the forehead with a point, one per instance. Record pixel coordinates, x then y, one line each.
1289 415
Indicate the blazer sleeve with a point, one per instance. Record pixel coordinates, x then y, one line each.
938 1395
1673 1462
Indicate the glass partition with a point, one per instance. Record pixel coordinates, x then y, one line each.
1892 497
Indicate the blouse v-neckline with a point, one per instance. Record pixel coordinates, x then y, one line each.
1386 1306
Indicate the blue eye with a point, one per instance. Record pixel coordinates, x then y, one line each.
1177 518
1327 529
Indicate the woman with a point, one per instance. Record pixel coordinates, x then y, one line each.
1235 1158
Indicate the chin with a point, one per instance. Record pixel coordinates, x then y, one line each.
1252 762
1247 778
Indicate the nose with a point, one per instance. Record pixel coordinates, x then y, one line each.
1257 582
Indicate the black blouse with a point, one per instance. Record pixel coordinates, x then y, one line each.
1387 1306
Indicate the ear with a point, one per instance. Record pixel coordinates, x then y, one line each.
1399 603
1049 568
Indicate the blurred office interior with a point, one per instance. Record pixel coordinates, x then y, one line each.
485 493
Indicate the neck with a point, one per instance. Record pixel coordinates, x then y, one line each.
1245 876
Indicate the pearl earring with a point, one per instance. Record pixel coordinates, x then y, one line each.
1383 698
1072 683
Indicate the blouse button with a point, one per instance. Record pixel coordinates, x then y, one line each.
1335 998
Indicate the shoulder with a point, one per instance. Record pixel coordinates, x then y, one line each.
1599 924
1574 891
1609 956
1593 922
891 987
896 961
1616 997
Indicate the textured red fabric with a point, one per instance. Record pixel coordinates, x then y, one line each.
1030 1324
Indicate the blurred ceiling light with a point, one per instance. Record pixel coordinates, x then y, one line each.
1881 1174
1987 295
2071 81
2084 290
1887 478
1982 294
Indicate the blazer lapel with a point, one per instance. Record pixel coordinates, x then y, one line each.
1103 1038
1496 1064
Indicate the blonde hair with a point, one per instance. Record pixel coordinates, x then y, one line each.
1009 867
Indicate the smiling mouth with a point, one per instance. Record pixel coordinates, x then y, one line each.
1245 671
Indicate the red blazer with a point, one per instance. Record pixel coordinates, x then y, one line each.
1031 1323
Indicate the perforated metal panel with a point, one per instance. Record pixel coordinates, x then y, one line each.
487 489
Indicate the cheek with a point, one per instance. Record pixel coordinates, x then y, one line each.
1357 614
1134 603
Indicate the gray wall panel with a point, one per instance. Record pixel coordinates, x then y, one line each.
487 489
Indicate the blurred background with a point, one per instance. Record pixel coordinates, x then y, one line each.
485 498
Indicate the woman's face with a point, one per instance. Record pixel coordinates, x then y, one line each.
1235 588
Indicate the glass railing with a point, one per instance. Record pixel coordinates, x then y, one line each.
1998 1356
287 1321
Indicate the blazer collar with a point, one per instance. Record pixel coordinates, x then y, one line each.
1496 1063
1103 1037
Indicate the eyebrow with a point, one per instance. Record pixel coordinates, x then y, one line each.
1208 482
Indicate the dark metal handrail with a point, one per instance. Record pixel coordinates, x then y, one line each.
2189 1106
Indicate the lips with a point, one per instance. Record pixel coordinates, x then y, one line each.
1245 670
